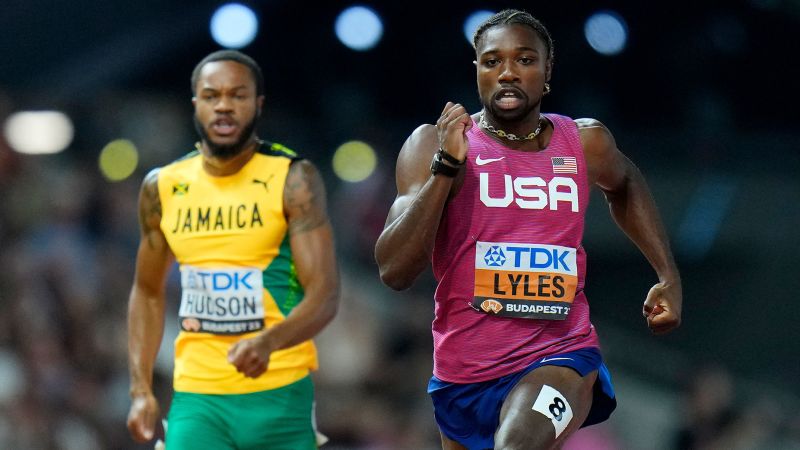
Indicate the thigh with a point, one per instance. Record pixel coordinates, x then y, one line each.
278 419
196 422
561 391
449 444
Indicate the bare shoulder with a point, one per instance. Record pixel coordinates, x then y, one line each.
302 182
150 205
149 200
301 169
423 141
304 197
588 123
151 179
604 161
414 160
594 135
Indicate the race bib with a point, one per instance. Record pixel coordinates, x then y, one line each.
531 281
221 301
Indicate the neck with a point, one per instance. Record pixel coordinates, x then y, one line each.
525 129
222 166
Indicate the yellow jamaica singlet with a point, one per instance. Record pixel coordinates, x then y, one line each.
229 235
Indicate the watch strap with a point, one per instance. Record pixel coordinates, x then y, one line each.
439 167
450 158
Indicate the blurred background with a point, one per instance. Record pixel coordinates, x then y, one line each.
702 96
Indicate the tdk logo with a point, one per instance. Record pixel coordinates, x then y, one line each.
524 257
540 258
219 281
495 257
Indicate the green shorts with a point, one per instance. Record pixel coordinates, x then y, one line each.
275 419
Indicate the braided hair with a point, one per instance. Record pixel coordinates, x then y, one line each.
514 17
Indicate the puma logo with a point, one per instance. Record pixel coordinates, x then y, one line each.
264 183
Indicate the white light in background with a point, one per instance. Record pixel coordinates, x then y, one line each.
606 32
39 132
234 25
359 28
475 20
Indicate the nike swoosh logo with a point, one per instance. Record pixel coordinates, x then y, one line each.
482 162
544 360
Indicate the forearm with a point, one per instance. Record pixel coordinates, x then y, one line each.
145 331
635 211
404 248
307 319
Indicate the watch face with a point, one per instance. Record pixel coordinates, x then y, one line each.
438 167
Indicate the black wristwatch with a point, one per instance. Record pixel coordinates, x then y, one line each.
438 165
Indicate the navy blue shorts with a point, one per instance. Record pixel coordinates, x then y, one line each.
470 413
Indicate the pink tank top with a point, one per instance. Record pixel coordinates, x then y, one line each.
509 261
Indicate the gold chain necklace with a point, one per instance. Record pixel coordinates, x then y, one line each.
511 137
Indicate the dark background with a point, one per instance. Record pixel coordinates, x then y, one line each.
703 100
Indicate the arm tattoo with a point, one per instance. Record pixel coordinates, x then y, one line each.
304 198
150 207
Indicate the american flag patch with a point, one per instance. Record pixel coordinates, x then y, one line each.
564 164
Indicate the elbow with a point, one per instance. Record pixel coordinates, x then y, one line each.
395 280
333 308
397 273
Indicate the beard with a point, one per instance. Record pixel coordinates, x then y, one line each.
505 116
226 151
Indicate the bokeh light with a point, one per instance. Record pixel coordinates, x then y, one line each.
359 28
606 32
354 161
118 159
39 132
473 21
234 25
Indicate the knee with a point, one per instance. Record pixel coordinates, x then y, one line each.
516 438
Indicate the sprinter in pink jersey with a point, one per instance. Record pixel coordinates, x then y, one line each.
496 202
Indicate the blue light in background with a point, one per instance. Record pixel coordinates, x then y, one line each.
234 25
606 32
704 216
359 28
473 21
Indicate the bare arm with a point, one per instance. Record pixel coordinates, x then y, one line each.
311 241
404 248
146 310
635 212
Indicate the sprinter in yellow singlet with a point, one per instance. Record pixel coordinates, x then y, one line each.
246 221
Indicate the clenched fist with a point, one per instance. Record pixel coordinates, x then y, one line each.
250 356
662 308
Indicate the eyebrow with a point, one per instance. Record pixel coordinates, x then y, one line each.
519 49
235 88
